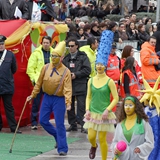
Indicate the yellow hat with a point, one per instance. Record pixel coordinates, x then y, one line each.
60 48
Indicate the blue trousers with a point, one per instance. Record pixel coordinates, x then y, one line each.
56 105
155 124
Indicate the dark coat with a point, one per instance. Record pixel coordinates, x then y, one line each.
7 10
143 36
82 71
47 14
132 36
157 35
7 69
116 36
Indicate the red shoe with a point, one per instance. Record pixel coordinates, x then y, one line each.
92 152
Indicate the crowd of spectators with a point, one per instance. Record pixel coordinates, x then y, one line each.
85 20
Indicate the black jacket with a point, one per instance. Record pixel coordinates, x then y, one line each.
7 69
157 35
132 36
82 71
7 10
48 13
116 36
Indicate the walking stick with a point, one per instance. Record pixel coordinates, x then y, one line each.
14 136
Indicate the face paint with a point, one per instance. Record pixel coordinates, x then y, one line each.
55 58
129 107
100 68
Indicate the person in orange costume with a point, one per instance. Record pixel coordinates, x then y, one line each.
150 61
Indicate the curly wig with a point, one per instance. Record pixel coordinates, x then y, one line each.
139 110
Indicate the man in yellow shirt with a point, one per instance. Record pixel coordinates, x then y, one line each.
55 80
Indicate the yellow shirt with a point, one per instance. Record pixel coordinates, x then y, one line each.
49 83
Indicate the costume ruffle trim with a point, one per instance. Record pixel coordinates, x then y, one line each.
98 124
101 127
97 118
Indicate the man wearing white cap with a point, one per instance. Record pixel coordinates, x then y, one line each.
55 80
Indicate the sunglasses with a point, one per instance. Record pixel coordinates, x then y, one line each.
54 56
71 46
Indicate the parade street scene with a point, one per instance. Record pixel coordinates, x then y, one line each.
79 79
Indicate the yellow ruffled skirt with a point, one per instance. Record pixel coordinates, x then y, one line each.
96 122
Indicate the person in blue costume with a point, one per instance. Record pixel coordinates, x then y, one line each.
151 100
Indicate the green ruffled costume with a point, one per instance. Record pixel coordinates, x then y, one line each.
99 102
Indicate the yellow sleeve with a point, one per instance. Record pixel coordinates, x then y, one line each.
88 98
114 93
67 91
38 85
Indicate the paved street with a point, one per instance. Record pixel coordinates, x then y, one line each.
77 151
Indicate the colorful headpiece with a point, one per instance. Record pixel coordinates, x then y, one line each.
130 98
152 95
104 48
60 48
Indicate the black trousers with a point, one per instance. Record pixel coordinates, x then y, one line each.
9 110
72 117
35 108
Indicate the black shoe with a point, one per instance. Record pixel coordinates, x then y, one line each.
56 146
71 128
34 127
62 153
84 130
18 131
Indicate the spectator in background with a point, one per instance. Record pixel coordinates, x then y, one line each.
131 31
72 31
44 9
113 27
68 20
122 32
154 28
148 28
80 34
8 7
77 21
90 49
157 35
87 30
81 24
95 30
37 60
142 34
124 21
78 64
144 19
148 21
132 17
102 26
